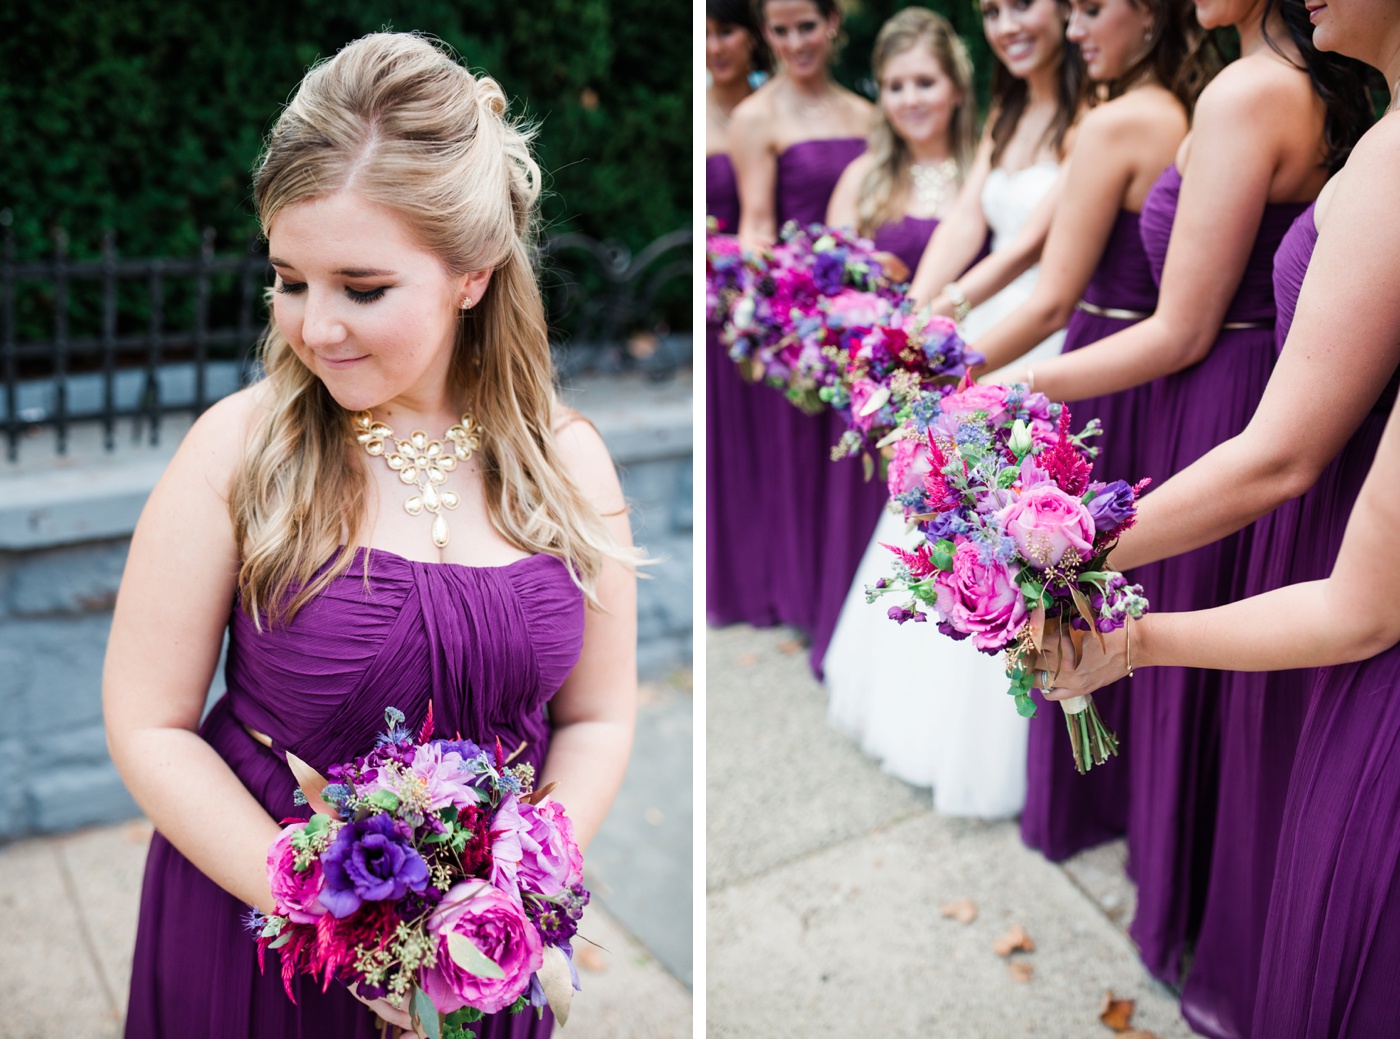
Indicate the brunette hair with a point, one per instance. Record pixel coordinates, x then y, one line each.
396 119
1182 57
1010 96
1344 84
741 13
886 185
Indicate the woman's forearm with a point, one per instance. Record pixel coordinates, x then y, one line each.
1135 356
954 245
588 760
194 799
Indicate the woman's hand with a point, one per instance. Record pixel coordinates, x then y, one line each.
1098 666
895 270
387 1011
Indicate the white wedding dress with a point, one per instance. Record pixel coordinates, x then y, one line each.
935 712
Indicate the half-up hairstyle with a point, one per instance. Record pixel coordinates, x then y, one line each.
1182 56
395 119
886 186
1011 95
1344 84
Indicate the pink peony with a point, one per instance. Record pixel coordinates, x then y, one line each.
980 599
964 403
554 812
853 309
1046 523
295 893
448 780
909 466
506 849
496 924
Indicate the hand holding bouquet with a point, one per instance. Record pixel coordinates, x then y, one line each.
1016 536
431 873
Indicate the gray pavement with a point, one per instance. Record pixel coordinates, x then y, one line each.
68 907
825 879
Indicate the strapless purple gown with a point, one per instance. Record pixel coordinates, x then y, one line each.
1174 755
1262 714
487 647
738 565
906 239
1066 812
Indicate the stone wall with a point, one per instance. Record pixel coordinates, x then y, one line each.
64 530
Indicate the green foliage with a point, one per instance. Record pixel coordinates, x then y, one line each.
148 116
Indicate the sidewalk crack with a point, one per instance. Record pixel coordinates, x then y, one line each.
85 929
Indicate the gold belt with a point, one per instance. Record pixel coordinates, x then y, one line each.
1117 313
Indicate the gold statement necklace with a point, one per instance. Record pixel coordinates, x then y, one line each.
931 183
423 463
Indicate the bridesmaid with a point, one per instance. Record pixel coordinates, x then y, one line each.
923 140
1144 59
734 50
1267 132
804 516
955 730
1326 936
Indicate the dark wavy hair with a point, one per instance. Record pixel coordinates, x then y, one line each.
825 8
1344 84
741 13
1183 57
1011 95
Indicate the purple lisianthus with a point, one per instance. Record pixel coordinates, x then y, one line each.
828 273
1113 506
371 860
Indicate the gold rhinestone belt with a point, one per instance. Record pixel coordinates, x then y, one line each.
1117 313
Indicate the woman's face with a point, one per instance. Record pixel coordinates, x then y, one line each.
1218 14
800 37
917 96
728 51
1112 34
1355 28
1027 35
364 306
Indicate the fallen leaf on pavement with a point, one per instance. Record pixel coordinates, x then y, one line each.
964 910
1021 970
1117 1013
746 659
590 959
1014 940
791 646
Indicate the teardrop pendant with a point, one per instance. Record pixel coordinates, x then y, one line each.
440 533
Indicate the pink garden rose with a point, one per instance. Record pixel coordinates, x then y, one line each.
854 309
554 811
546 852
506 848
295 893
496 924
990 399
861 392
909 466
980 599
1046 523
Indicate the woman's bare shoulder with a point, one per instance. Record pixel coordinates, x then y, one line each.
218 440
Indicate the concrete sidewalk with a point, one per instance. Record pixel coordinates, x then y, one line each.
825 879
68 907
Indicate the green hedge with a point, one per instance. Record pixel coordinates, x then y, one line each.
864 18
146 116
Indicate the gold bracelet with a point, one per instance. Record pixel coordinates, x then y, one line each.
961 305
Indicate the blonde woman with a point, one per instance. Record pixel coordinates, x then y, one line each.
398 201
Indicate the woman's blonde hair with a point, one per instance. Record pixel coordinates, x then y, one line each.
886 186
396 119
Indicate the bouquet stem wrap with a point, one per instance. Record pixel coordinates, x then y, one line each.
1091 741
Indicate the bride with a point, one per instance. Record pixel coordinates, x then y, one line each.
955 734
398 201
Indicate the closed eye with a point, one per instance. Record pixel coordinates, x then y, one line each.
368 296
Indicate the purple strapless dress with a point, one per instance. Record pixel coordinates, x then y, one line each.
738 565
487 647
1262 713
906 239
1066 812
1174 755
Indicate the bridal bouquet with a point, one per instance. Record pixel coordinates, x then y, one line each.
1015 536
432 873
785 311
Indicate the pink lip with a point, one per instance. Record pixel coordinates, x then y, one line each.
337 363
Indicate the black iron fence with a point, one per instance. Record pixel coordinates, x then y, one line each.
112 341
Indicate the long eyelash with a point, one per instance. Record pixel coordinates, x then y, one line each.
291 288
366 297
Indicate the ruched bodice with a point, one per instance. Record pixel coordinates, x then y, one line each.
906 239
1254 299
807 173
1123 279
1010 197
722 192
488 646
1290 267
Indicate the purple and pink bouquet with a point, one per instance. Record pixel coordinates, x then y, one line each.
431 873
1015 536
784 310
